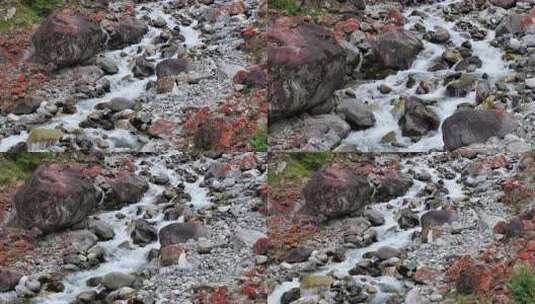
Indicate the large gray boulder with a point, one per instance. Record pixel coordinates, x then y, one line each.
417 119
177 233
357 114
306 65
470 126
391 51
128 189
171 67
55 197
66 38
511 24
336 191
125 32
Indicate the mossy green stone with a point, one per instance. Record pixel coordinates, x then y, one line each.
44 135
312 281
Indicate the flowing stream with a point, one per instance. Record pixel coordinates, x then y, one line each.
122 85
492 65
127 259
388 234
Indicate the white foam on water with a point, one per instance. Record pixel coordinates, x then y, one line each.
11 141
276 295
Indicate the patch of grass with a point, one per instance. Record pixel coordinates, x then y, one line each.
43 7
466 299
10 172
29 12
16 167
291 7
522 285
260 140
24 16
298 166
312 161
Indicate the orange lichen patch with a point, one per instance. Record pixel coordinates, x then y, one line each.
328 20
262 246
249 32
454 270
489 164
283 199
15 245
285 235
264 190
230 9
219 295
528 20
18 78
346 27
93 171
487 274
161 128
254 41
230 125
519 190
247 162
252 283
395 17
515 191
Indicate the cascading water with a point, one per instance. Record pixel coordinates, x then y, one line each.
121 85
371 140
388 234
133 258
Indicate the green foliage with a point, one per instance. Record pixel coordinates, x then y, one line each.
30 12
30 161
291 7
312 161
10 172
43 8
260 140
18 166
522 285
298 166
24 16
465 299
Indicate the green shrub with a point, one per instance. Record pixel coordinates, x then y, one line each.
522 285
292 7
43 8
298 167
312 161
18 166
260 140
10 172
24 16
30 12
